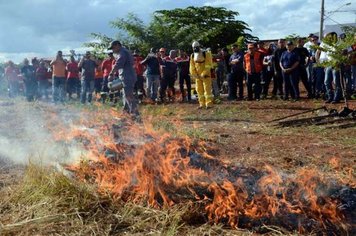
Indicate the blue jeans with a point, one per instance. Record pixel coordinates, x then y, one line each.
87 90
353 71
332 75
58 85
129 100
291 84
235 79
254 79
318 81
152 86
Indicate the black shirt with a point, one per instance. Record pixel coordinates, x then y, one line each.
303 53
277 57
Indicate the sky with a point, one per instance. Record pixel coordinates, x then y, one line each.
39 28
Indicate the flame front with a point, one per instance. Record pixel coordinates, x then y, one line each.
135 164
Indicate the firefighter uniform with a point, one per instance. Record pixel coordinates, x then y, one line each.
200 70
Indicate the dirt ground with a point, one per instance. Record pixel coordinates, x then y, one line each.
238 133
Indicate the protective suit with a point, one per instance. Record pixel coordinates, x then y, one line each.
200 70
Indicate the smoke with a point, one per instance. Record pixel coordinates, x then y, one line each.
25 134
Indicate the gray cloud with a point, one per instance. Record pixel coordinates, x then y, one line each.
41 27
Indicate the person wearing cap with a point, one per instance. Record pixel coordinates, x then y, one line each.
124 65
87 66
289 63
308 44
331 74
106 67
200 69
236 77
58 77
278 77
316 73
152 74
253 63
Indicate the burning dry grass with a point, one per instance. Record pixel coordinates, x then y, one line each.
47 202
140 182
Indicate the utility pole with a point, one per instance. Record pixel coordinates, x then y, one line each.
321 20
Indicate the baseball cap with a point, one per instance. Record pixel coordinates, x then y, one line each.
290 43
114 43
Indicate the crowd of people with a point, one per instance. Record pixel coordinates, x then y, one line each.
153 78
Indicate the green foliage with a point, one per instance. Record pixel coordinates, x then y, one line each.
292 37
213 27
337 49
99 44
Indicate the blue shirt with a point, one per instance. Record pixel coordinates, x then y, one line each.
152 64
125 66
239 66
88 69
288 59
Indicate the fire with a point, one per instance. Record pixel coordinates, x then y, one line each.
133 163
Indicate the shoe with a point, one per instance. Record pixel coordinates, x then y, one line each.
200 107
208 107
334 102
328 101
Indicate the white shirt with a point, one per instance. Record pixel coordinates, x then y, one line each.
324 55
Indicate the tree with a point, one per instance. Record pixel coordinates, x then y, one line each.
338 53
212 26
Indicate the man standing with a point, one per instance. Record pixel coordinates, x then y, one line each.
303 55
289 64
29 76
169 76
41 76
253 62
152 74
278 78
11 75
200 70
183 74
124 65
237 74
73 82
331 73
139 68
87 65
58 77
106 67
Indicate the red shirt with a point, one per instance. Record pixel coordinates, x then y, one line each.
41 73
73 70
12 73
106 66
139 68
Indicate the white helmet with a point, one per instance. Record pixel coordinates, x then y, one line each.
195 44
